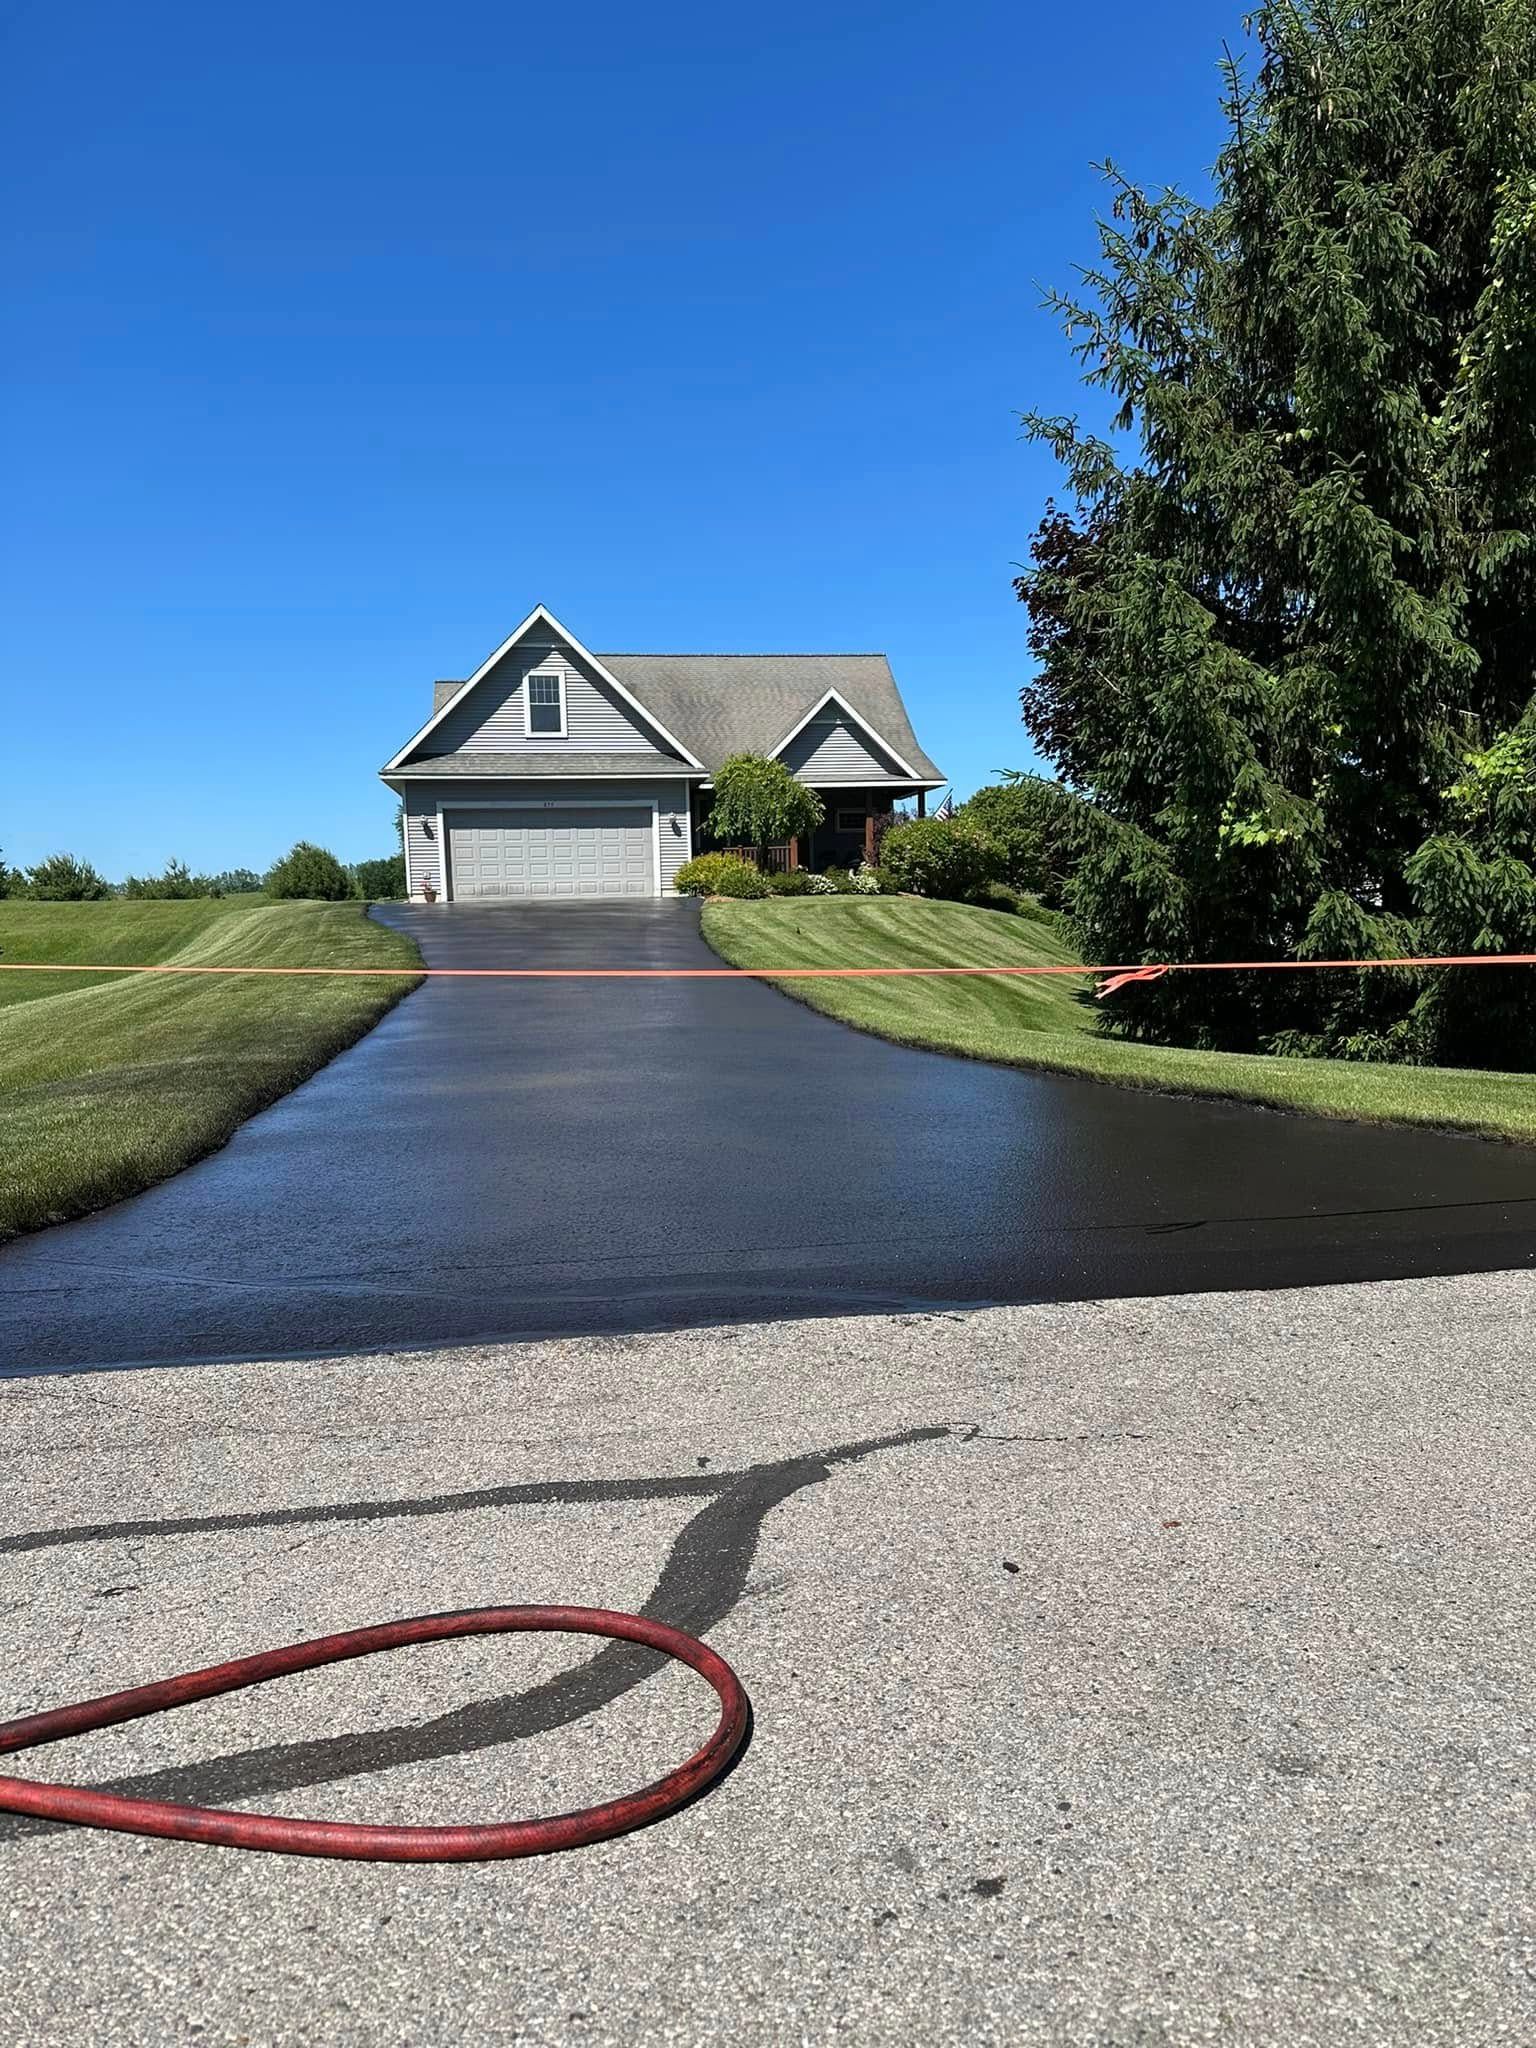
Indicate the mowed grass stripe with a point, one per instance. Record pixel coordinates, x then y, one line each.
108 1087
100 934
1049 1025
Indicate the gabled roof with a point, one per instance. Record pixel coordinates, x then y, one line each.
751 703
845 711
706 706
542 617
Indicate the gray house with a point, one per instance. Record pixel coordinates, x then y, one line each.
552 771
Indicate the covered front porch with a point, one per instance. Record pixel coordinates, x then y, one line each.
849 833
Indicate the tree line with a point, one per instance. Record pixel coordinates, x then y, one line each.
1285 626
305 871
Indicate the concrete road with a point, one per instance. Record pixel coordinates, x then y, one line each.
523 1158
1144 1672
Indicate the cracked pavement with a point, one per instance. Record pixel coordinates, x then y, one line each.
1131 1672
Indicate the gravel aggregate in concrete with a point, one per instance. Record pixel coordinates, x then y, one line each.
1153 1672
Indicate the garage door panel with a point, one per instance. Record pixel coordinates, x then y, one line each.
608 850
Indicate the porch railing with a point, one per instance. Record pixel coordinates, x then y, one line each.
781 859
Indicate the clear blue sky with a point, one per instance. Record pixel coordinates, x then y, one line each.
338 337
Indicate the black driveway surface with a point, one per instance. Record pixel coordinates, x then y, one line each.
510 1158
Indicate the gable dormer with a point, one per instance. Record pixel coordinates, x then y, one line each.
541 693
832 744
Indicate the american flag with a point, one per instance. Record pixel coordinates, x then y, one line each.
946 805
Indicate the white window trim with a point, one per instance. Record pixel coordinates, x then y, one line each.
547 667
569 803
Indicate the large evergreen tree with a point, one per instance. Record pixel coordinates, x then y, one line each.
1288 649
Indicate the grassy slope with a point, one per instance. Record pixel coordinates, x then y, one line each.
109 933
1047 1025
109 1085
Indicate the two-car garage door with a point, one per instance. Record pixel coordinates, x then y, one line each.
552 850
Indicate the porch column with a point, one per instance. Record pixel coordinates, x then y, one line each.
869 828
922 803
794 855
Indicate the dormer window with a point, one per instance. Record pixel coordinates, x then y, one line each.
546 704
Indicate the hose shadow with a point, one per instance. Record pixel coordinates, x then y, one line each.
703 1578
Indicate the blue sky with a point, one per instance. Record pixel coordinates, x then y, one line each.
338 338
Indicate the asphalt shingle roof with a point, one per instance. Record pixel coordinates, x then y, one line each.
719 704
636 761
715 705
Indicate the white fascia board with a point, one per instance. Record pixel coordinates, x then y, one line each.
913 782
863 724
541 616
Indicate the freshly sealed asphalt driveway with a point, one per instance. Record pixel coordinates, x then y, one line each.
504 1158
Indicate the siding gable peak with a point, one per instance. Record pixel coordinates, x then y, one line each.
832 736
487 711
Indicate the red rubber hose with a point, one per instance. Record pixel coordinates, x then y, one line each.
225 1829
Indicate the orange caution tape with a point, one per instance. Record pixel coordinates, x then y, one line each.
1123 980
1119 976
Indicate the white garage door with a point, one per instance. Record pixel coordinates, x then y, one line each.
552 850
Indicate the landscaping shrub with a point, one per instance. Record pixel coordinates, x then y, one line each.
1029 821
1011 902
796 883
63 879
381 881
841 880
176 885
309 871
758 802
719 874
821 885
865 880
943 857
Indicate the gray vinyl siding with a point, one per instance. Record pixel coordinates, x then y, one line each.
672 821
833 749
421 800
420 840
491 719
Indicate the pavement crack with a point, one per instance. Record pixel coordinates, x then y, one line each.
1089 1436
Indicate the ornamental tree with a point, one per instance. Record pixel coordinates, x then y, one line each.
758 801
1286 630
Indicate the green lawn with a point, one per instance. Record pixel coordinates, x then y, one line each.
110 1082
107 933
1048 1024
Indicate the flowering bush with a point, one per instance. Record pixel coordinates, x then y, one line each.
864 881
820 886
